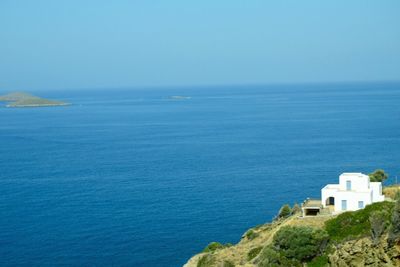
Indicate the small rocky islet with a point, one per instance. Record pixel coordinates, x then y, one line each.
26 100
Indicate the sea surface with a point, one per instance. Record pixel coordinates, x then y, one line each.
129 177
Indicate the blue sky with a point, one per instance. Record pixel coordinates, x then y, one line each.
46 44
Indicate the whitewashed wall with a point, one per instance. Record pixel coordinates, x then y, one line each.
361 190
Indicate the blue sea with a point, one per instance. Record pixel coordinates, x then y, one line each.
130 177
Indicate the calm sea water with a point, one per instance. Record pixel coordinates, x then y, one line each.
131 178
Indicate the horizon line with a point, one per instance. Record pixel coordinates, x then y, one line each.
199 86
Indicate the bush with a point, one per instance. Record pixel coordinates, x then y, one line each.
213 246
253 253
397 195
269 257
320 261
285 211
250 234
353 224
378 225
228 264
296 209
301 243
378 176
392 191
394 231
206 261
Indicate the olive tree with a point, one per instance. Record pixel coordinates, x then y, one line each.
378 176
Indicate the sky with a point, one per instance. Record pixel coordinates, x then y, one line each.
47 44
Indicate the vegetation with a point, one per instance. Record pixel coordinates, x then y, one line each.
250 234
394 232
378 176
285 211
397 195
378 223
206 261
294 245
297 245
270 257
319 261
353 224
296 209
300 242
228 264
213 246
253 253
392 191
259 226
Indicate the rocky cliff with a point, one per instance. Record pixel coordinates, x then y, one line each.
362 252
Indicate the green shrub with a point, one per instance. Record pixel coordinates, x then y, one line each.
378 223
378 176
319 261
394 231
228 264
250 234
296 209
269 257
206 261
285 211
353 224
253 253
397 195
301 243
213 246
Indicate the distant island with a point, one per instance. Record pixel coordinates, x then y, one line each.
179 97
23 100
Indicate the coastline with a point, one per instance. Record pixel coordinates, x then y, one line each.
344 243
253 239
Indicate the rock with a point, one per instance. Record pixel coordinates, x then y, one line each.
362 252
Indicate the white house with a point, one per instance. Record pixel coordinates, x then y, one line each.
353 192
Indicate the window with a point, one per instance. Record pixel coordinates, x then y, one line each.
348 185
344 204
360 204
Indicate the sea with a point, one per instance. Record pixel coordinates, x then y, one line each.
133 177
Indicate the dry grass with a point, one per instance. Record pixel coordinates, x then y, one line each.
238 254
390 191
317 221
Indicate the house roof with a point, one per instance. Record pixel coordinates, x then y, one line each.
312 203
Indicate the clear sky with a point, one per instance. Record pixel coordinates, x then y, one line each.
47 44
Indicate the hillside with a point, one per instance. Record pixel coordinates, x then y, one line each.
21 99
369 236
